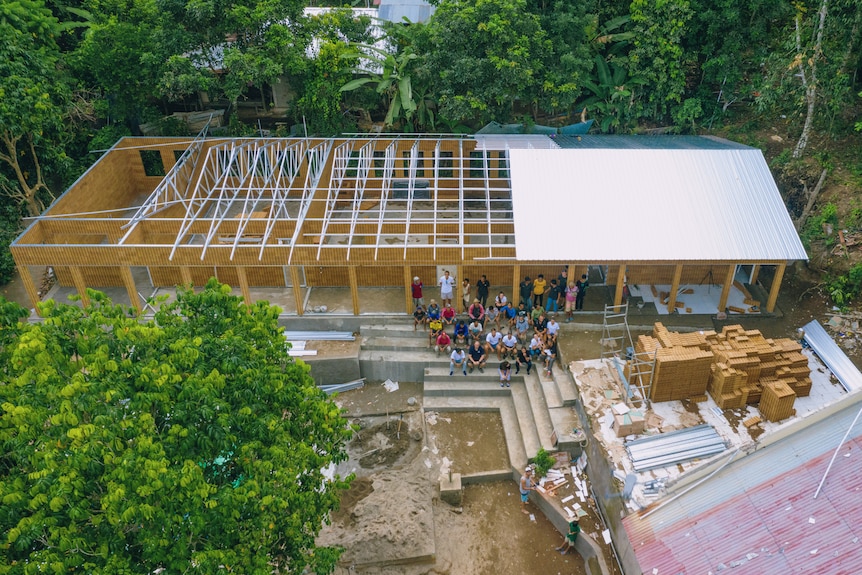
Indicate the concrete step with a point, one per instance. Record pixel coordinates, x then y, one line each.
539 406
403 329
394 343
508 415
566 388
460 386
437 372
526 422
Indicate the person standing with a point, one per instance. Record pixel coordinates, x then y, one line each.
553 297
458 359
416 290
540 286
505 370
526 289
525 486
571 298
483 289
582 285
466 293
447 287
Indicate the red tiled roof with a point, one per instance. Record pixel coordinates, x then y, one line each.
766 529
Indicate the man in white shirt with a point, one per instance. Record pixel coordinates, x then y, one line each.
536 346
493 342
458 358
447 287
552 329
509 343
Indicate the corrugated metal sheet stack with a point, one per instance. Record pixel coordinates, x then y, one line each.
776 402
734 366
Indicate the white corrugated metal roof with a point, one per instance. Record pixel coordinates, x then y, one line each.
649 204
514 142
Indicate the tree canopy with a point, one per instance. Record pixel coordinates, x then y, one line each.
190 443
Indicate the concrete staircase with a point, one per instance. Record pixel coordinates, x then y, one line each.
533 410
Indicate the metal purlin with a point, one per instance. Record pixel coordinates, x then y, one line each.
366 159
287 164
246 155
217 168
385 188
173 188
340 162
316 161
411 189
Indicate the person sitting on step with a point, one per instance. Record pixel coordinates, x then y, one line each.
476 358
505 370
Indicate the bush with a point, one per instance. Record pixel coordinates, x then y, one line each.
543 462
10 227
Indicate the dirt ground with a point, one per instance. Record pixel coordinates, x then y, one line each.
391 520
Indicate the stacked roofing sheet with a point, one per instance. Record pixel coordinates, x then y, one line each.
836 360
674 447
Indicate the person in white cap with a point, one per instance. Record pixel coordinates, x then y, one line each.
416 290
526 485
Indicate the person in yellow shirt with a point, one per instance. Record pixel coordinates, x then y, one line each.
540 286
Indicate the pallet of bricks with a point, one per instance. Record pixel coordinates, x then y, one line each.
682 364
737 367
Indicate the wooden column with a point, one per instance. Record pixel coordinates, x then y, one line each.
456 291
131 289
621 275
242 277
186 275
725 287
674 288
30 286
297 289
570 274
78 280
755 271
408 291
516 293
776 285
354 289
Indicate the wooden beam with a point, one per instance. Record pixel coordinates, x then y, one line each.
674 288
725 288
78 280
131 289
242 278
30 286
408 291
354 289
755 272
621 282
297 289
570 274
776 285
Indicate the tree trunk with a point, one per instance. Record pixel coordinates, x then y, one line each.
809 84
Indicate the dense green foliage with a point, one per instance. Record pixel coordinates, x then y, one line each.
191 443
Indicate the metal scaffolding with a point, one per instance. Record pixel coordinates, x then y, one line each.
617 339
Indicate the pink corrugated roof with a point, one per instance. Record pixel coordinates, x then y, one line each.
766 528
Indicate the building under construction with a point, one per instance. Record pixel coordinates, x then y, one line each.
361 212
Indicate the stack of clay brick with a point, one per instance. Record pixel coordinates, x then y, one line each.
736 366
682 364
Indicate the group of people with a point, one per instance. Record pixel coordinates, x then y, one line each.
519 336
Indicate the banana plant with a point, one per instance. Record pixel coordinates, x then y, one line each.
612 93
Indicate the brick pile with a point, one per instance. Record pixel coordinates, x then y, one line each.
737 367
